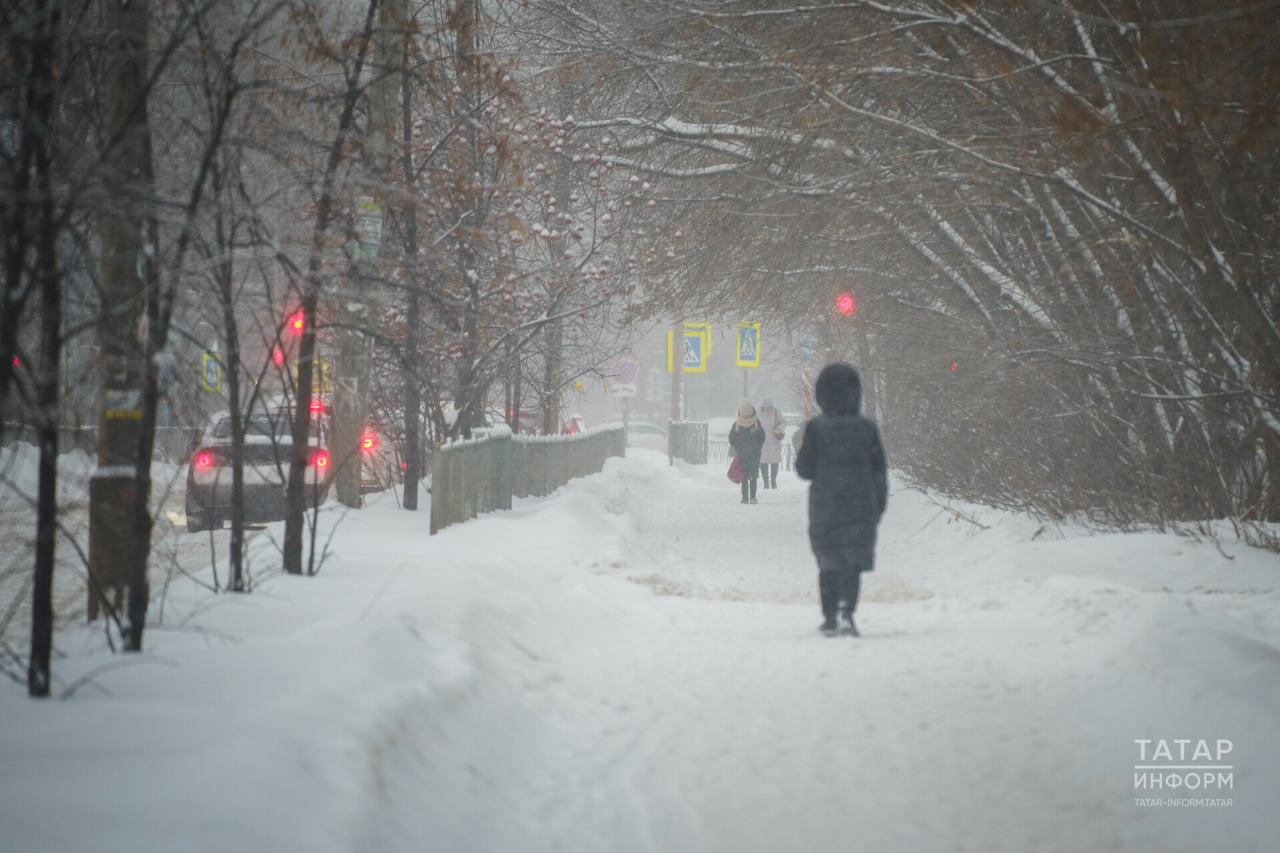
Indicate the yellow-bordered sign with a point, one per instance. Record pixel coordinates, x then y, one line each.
211 372
697 346
319 376
748 345
703 329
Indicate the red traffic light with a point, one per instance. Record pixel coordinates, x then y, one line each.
296 323
277 356
844 304
320 460
204 460
369 442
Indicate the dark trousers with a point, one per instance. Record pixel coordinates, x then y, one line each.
837 586
745 481
766 468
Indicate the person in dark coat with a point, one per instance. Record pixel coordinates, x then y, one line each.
747 438
842 455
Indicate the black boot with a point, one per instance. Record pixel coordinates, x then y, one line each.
850 586
827 589
846 617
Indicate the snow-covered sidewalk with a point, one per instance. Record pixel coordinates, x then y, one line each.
633 664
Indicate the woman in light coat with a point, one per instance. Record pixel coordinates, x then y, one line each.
775 425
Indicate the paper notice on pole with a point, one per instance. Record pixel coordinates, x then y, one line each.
368 227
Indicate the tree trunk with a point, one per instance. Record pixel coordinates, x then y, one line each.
554 333
516 399
355 362
412 403
413 313
299 453
231 331
47 382
299 457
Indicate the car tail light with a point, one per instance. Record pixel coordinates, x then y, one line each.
204 461
320 459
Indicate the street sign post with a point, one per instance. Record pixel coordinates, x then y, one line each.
625 373
748 351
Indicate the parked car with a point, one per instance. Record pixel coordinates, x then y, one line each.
646 436
268 448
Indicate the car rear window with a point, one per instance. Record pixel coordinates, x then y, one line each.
259 423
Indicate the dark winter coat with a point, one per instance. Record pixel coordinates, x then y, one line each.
842 455
747 442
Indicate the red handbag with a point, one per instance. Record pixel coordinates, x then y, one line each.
735 470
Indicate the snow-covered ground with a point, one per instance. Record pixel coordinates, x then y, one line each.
173 551
633 664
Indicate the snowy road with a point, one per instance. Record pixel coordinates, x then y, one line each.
633 665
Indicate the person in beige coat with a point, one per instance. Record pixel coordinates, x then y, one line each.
775 425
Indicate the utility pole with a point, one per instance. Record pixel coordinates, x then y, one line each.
122 230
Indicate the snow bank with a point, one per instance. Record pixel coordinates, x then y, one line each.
20 475
632 664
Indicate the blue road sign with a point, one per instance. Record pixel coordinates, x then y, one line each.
748 345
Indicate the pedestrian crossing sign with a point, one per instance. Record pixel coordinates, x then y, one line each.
703 329
696 347
319 377
211 372
748 345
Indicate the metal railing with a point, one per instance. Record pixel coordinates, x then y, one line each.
482 474
687 440
720 451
